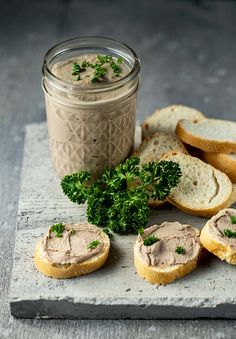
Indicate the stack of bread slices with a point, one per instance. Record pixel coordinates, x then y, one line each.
205 150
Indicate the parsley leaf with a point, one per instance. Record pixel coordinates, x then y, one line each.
77 69
180 250
93 244
152 239
229 233
99 73
58 229
116 68
233 219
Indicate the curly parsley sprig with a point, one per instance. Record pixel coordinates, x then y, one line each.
112 202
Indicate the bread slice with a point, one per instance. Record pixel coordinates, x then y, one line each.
159 263
210 135
154 148
202 190
166 119
157 145
224 162
72 269
214 239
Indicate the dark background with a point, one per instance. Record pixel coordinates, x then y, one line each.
188 55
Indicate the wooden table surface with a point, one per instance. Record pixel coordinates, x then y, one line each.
187 51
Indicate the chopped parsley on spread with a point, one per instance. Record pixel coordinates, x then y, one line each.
180 250
99 70
93 244
152 239
229 234
58 229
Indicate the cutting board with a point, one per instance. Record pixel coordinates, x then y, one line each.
114 291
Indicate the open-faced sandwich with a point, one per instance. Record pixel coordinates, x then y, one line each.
71 250
166 252
218 236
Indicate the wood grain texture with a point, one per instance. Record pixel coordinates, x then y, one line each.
192 47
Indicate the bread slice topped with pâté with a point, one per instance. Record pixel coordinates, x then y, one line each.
71 250
210 135
154 148
166 252
218 236
202 190
166 119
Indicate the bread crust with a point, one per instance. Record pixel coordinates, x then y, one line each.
163 276
156 203
222 162
71 270
204 144
221 250
209 212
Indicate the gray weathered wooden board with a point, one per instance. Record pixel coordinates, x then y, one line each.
115 291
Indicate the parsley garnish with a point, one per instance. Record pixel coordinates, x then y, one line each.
112 202
99 71
229 234
93 244
152 239
77 69
104 59
180 250
233 219
116 68
58 229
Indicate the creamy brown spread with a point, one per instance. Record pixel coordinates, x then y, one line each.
73 246
171 235
63 70
220 222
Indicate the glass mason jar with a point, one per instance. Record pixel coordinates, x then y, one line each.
90 128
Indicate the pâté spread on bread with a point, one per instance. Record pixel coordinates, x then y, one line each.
218 235
73 245
223 226
169 236
70 250
163 253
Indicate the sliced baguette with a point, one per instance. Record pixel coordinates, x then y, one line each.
171 234
210 135
166 119
215 241
69 270
154 148
157 145
224 162
202 190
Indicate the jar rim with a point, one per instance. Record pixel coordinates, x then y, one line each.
57 50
